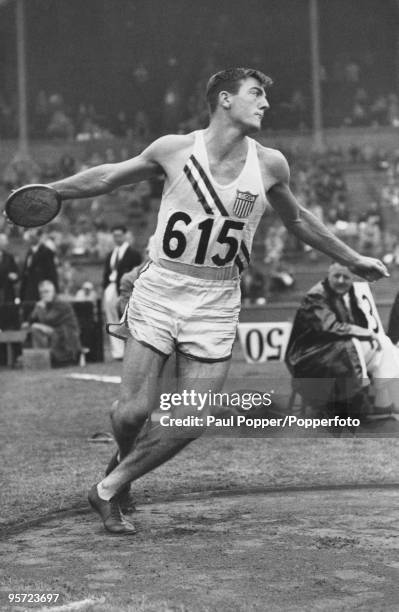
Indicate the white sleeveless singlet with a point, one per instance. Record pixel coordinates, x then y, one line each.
202 224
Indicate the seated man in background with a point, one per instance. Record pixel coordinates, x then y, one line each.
53 324
331 352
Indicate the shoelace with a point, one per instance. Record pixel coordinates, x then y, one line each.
116 511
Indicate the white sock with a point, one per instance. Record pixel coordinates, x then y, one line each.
104 493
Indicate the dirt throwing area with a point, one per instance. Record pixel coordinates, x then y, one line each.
327 550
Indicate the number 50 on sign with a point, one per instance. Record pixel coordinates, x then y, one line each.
262 342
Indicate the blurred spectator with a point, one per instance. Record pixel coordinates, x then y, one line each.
359 115
375 214
20 171
296 110
60 125
138 199
379 111
67 165
120 260
274 243
390 194
104 240
171 111
39 265
343 213
8 272
49 171
141 126
53 325
252 286
280 279
67 276
87 293
7 118
393 110
109 156
120 125
370 237
352 72
128 279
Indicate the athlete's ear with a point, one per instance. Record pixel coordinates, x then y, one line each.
224 98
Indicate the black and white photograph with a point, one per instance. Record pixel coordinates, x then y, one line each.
199 305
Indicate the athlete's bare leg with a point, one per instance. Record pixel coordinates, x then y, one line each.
142 369
156 443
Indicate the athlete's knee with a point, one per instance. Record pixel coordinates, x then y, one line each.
128 414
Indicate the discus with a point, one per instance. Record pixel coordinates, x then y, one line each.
33 205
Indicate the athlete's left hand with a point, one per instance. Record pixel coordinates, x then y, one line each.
369 268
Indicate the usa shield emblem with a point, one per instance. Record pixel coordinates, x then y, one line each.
244 204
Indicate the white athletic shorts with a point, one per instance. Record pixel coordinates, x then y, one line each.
171 311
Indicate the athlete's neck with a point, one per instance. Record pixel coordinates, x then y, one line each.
224 141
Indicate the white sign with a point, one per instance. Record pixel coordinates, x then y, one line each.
367 304
262 342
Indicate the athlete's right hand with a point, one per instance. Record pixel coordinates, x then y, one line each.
369 268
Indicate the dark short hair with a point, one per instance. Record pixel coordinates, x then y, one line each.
119 228
230 80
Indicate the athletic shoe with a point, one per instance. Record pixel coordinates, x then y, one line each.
124 497
110 513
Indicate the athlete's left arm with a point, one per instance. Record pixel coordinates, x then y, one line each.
309 229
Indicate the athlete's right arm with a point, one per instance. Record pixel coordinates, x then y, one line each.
107 177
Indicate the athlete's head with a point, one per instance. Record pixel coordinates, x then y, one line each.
240 92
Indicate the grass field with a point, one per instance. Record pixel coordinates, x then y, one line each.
47 463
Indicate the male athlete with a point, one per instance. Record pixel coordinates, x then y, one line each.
218 182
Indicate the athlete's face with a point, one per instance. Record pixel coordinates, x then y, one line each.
249 104
340 279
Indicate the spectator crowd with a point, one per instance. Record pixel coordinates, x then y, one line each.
350 97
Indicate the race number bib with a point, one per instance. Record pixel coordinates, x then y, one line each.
210 242
262 342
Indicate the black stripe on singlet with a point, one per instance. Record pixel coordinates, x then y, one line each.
239 264
198 191
209 186
245 251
